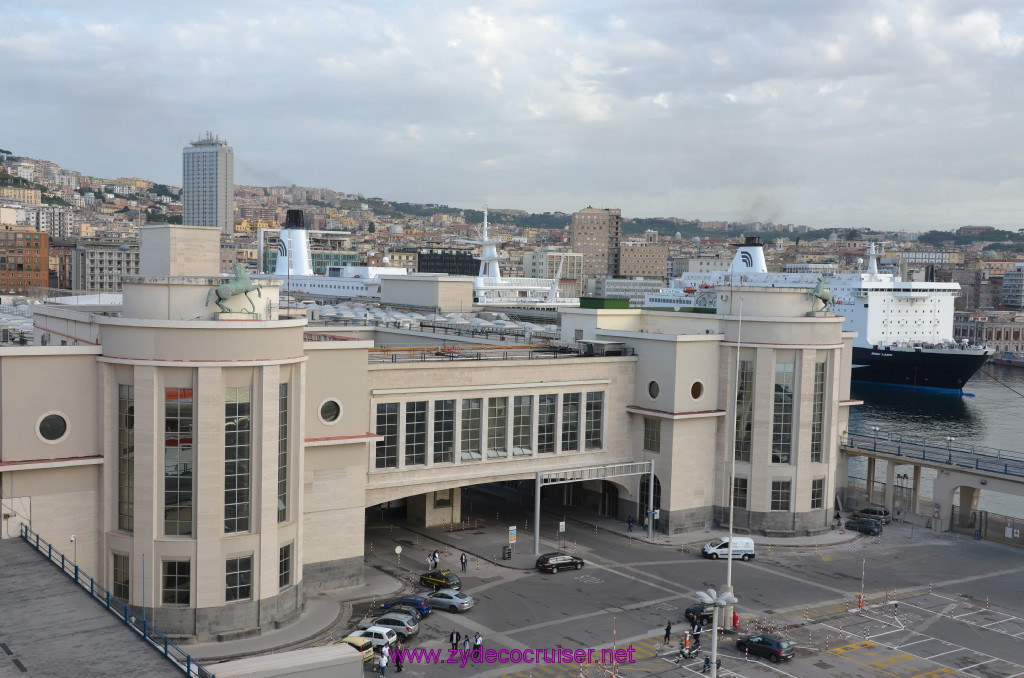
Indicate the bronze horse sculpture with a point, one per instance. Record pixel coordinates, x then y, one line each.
240 285
820 293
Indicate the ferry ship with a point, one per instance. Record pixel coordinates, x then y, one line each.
904 329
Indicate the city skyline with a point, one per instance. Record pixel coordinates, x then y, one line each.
831 115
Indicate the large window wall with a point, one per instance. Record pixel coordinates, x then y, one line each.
473 429
178 461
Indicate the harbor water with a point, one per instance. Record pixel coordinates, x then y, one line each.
989 414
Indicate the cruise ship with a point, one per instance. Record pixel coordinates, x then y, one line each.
904 329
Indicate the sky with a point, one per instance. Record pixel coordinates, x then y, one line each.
837 113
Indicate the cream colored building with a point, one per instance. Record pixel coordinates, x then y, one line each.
217 466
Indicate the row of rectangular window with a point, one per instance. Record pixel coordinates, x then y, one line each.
781 494
176 577
471 433
179 459
782 412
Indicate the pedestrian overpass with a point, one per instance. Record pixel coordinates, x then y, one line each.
967 467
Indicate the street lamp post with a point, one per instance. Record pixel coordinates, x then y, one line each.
732 454
874 445
74 559
719 601
949 452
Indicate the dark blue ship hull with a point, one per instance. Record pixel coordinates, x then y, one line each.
918 367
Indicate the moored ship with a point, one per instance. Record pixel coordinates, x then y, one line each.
904 329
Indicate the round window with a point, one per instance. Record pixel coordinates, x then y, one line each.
330 411
653 389
53 427
696 390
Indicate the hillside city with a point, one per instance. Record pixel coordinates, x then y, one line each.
86 232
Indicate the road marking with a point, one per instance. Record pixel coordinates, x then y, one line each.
956 649
944 671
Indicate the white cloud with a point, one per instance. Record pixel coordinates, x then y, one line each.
866 111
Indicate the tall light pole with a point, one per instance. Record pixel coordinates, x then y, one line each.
732 453
719 601
74 542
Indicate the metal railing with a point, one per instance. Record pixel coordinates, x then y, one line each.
133 620
969 457
988 526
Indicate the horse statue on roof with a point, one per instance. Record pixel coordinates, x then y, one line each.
819 293
240 285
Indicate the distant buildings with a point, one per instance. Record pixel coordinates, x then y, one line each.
208 183
24 260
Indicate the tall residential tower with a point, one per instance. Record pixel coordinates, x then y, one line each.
596 233
208 181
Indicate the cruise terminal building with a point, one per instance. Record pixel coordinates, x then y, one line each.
217 466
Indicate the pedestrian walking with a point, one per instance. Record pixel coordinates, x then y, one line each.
697 628
668 633
454 639
478 646
430 560
437 558
735 622
398 657
629 524
466 644
463 559
707 665
383 663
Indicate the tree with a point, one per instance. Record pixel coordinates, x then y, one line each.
371 228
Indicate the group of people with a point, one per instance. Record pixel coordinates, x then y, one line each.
388 656
434 560
690 640
476 642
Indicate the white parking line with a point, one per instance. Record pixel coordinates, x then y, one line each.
956 649
965 614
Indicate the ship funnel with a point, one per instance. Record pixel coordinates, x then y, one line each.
750 257
293 256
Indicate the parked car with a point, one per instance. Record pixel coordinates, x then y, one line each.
770 646
864 525
877 513
403 625
705 611
441 579
378 635
406 609
364 645
416 602
553 562
451 600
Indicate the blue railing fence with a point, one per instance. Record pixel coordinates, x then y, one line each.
131 618
972 457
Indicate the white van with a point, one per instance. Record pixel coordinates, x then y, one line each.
742 548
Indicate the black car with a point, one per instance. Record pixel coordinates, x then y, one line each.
553 562
864 525
704 611
770 646
441 579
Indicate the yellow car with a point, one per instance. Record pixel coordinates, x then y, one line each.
362 644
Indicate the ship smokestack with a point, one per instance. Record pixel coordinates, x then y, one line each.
294 219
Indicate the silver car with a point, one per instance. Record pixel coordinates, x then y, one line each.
403 625
450 599
378 635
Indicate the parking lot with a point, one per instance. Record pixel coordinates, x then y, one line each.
934 605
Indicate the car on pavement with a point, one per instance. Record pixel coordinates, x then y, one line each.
378 635
441 579
879 514
772 647
416 602
364 645
403 625
865 526
405 609
451 600
703 611
553 562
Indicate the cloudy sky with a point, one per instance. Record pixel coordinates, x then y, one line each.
827 113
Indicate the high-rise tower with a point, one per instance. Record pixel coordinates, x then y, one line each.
208 183
596 234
